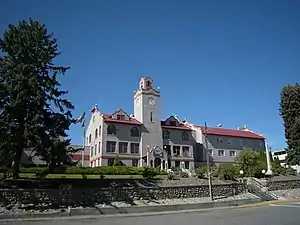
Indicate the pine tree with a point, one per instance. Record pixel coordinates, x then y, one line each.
290 112
34 112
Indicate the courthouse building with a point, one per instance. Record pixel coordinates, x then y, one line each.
143 139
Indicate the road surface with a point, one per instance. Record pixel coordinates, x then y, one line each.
287 214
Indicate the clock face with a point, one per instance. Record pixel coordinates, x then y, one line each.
151 101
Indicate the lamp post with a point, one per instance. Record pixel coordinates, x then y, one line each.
269 166
148 150
242 175
263 172
208 164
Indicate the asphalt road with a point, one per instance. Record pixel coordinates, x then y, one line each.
267 215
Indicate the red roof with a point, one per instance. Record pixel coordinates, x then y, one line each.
181 127
231 132
109 118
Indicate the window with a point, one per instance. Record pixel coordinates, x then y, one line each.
173 123
123 147
186 151
96 133
232 153
135 162
185 136
110 162
111 129
120 117
92 151
148 84
99 147
187 165
229 142
99 131
90 138
151 117
177 164
210 152
242 143
110 146
176 150
135 132
221 153
95 149
166 134
220 141
134 148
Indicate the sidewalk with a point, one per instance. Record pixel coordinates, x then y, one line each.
114 211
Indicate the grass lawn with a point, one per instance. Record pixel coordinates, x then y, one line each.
79 176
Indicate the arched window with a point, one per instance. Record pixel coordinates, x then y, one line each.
166 134
90 138
111 129
185 136
135 132
96 133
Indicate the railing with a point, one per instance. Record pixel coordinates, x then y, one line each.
258 189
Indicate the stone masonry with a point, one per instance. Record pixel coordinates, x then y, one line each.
67 195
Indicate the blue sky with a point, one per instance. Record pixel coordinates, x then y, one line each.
214 60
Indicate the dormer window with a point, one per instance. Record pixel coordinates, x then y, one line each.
120 117
111 129
173 123
185 136
135 132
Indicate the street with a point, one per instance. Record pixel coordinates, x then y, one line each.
287 214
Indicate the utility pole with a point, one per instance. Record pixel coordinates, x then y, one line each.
208 164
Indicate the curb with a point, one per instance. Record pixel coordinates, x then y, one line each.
126 211
275 202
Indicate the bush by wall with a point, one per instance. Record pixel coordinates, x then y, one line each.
102 170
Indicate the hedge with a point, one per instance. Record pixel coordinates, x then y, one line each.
105 170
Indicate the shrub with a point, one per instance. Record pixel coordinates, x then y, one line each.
117 161
149 172
102 170
184 174
201 171
227 171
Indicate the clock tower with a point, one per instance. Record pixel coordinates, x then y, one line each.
147 111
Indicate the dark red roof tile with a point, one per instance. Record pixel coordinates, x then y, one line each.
231 132
180 127
109 118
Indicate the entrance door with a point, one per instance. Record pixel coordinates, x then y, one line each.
157 162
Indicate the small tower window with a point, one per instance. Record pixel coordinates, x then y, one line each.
148 84
151 117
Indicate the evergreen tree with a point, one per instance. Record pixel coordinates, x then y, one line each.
290 112
34 112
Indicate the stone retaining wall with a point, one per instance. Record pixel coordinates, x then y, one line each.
283 185
68 196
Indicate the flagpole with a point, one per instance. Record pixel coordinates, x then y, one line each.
83 151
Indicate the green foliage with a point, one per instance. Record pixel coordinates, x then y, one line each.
201 172
247 161
149 172
290 113
117 161
276 167
227 171
102 170
34 112
184 174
